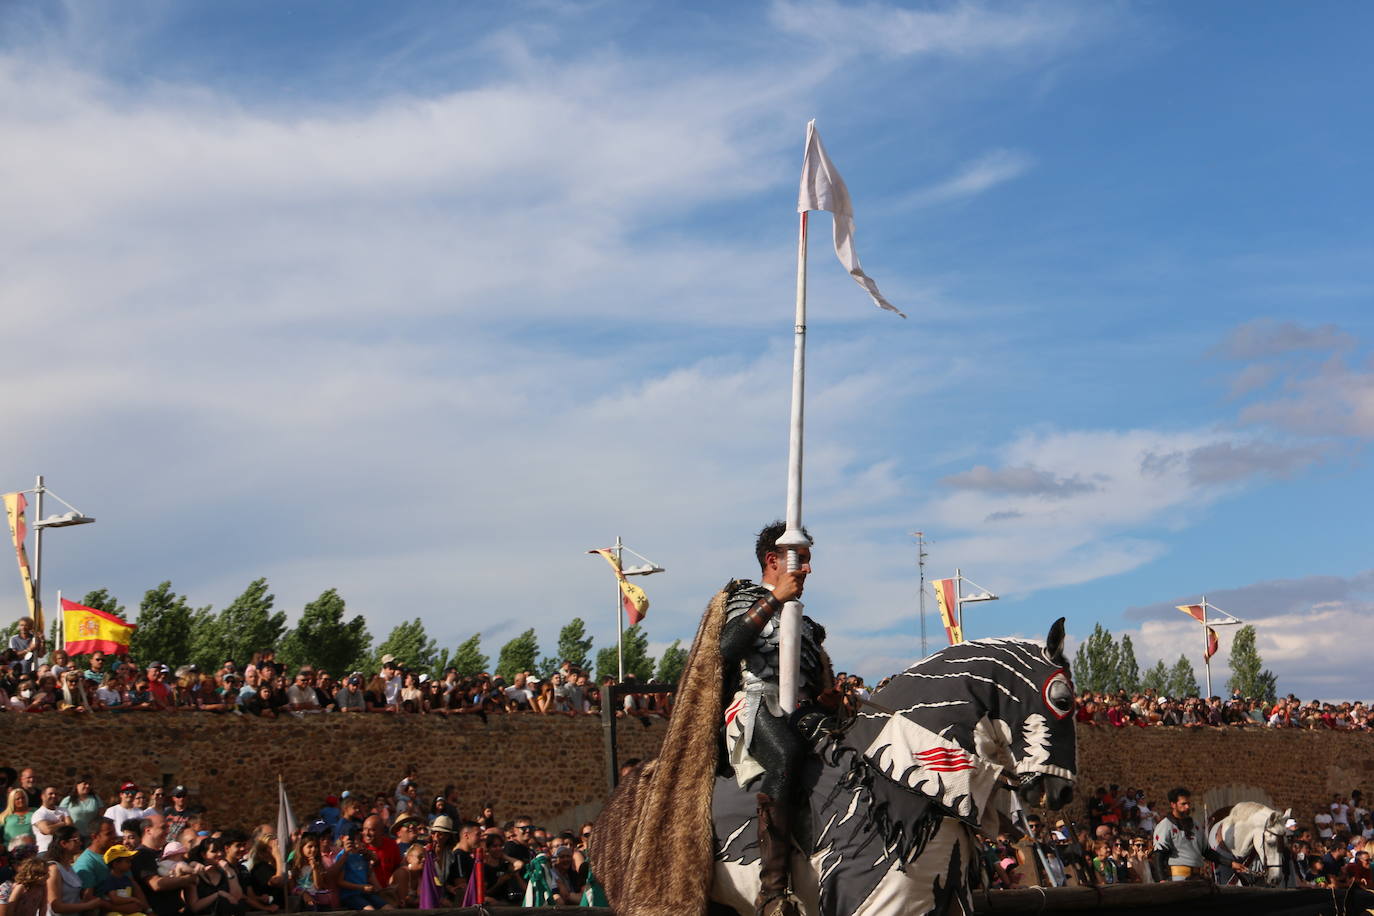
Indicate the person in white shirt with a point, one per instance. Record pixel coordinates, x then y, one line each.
301 696
46 818
126 810
1322 820
1340 812
519 693
391 673
1146 817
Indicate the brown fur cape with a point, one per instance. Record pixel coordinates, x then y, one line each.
652 847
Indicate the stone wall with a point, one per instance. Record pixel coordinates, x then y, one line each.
1285 767
552 768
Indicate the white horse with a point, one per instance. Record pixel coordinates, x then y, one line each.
1253 833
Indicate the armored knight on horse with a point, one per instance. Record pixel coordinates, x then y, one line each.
816 815
762 740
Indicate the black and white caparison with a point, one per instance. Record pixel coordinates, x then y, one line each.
954 744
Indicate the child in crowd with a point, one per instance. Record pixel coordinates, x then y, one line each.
358 883
173 863
119 892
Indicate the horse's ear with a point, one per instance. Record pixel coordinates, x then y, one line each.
1054 644
1287 813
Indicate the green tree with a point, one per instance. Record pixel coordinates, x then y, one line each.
520 654
574 645
1096 663
1127 668
671 663
247 624
1157 678
1182 679
102 600
468 657
325 639
1267 686
411 645
54 641
1246 663
164 627
207 639
638 661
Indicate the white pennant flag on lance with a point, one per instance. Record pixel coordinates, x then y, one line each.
822 188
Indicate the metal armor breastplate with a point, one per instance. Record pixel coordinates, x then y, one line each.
761 662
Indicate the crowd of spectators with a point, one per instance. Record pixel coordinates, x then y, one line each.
262 686
1116 845
1148 708
155 851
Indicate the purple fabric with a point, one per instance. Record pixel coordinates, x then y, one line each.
429 890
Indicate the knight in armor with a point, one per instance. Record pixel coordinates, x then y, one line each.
764 745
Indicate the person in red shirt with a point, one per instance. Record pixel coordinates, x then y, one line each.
161 693
384 847
1358 870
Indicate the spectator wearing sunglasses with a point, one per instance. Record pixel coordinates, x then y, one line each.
517 847
126 810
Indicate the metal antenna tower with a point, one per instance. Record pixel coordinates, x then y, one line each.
921 565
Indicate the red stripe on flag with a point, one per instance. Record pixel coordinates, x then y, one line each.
73 606
87 646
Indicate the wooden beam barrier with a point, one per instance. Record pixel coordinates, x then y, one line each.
610 705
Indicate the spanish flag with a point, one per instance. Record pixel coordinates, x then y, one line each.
94 630
631 595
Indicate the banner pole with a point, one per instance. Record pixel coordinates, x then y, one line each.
1206 660
789 629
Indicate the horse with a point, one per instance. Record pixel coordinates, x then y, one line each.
1254 834
952 746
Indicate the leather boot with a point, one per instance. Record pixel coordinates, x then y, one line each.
775 856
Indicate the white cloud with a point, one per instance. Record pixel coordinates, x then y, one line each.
984 173
958 29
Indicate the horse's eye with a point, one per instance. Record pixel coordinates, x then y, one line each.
1058 694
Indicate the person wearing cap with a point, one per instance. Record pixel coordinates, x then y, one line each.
126 810
119 892
391 674
329 811
178 813
157 686
405 829
349 696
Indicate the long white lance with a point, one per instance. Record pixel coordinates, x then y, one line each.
822 188
789 627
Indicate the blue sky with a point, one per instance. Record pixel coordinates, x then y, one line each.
422 300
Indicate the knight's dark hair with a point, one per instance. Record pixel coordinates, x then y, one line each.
767 541
1178 792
